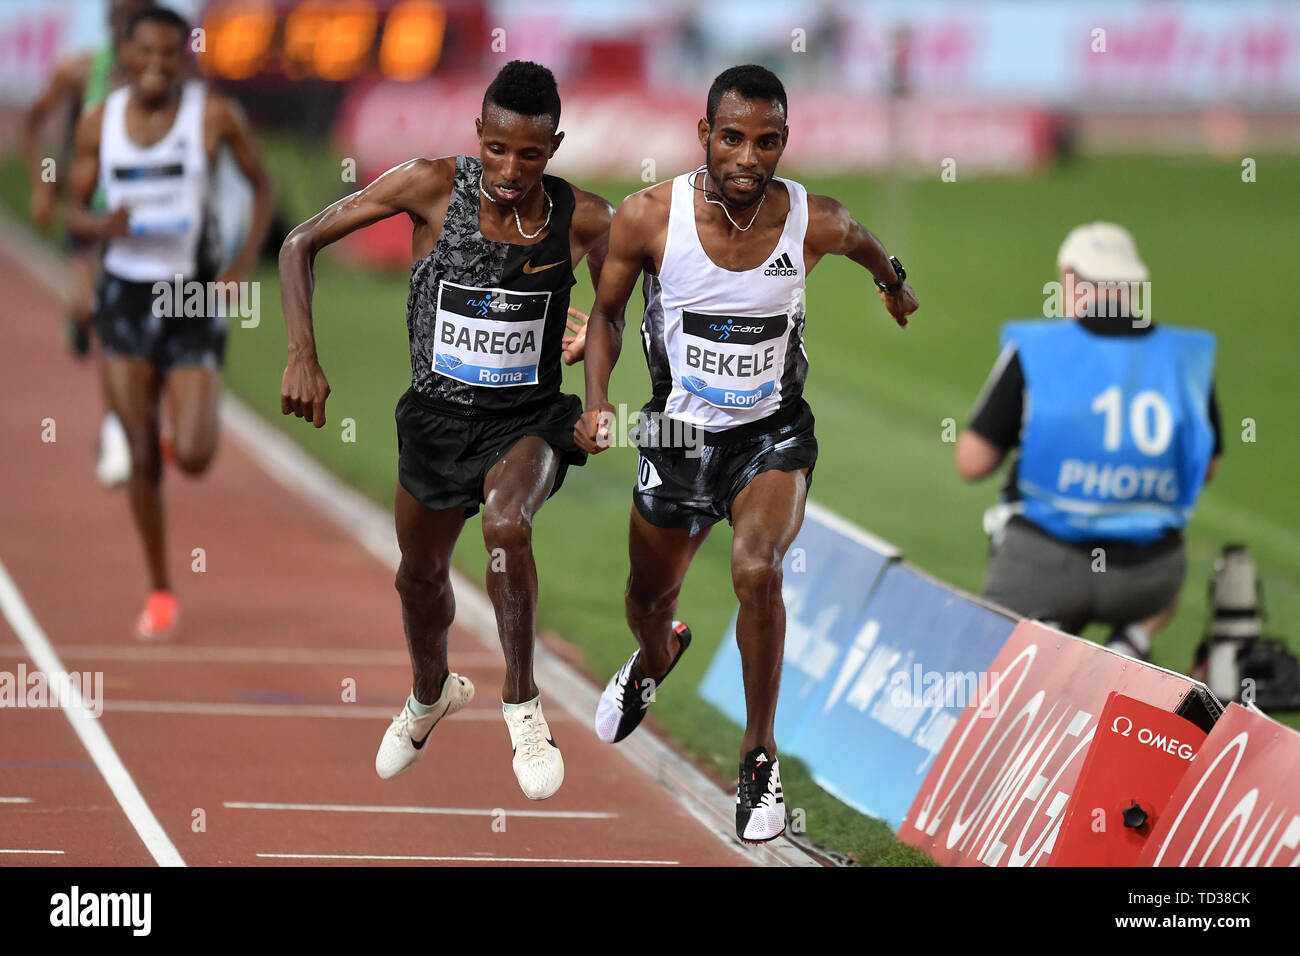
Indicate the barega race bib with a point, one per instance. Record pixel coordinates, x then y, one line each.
489 337
732 361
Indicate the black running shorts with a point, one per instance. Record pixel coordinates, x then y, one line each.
128 327
693 488
443 458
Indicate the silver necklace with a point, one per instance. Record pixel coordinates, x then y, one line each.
519 225
715 202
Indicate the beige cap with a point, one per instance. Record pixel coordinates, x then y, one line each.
1102 252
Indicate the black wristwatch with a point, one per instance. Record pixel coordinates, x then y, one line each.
900 271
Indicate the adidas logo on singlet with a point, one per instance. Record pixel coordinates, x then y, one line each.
781 266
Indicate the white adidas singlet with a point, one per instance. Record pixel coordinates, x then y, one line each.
164 188
730 343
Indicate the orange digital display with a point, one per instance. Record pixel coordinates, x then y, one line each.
413 36
301 28
324 39
343 46
329 39
237 44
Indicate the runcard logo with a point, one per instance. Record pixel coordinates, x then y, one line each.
724 331
181 299
735 329
62 689
75 908
496 305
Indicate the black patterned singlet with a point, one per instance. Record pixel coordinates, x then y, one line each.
487 336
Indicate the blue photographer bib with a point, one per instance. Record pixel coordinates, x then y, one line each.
1116 435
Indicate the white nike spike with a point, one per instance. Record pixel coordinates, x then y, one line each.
407 736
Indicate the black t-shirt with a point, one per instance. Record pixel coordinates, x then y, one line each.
1000 407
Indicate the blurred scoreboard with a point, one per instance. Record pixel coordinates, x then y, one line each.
338 41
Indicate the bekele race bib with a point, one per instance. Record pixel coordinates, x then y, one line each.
732 361
489 337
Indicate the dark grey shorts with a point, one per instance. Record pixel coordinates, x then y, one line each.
128 328
1040 577
694 489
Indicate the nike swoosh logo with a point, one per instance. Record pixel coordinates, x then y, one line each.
529 270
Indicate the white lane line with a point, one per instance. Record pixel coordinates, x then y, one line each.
302 475
87 728
440 811
218 709
252 655
461 859
15 799
353 711
58 852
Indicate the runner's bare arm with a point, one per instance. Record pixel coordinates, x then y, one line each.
628 252
67 87
81 186
226 123
411 188
833 231
592 215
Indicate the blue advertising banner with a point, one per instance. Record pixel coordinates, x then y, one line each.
830 571
918 655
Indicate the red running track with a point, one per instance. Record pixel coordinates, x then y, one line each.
237 735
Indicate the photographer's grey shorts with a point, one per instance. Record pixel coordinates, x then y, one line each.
1042 578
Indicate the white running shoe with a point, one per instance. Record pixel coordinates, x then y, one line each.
407 736
113 459
629 692
537 763
760 801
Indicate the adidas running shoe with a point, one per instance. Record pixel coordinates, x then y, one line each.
760 806
629 692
